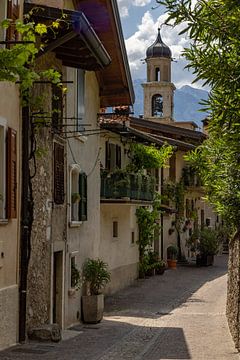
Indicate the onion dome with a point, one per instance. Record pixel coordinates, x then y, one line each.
158 49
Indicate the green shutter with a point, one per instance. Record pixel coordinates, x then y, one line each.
83 194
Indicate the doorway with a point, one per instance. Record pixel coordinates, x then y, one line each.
57 288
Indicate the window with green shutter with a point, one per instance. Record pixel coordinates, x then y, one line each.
83 195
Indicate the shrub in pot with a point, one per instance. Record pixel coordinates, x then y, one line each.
95 277
207 246
172 253
160 267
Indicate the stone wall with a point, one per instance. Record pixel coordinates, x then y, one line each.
233 296
9 316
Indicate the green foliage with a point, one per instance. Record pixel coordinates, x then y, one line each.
208 241
214 27
149 157
95 273
147 223
75 277
18 62
172 252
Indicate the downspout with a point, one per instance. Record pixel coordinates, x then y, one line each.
161 219
25 231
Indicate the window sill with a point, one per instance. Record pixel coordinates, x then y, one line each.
79 136
73 224
3 222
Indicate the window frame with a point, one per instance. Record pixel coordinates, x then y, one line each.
82 204
3 159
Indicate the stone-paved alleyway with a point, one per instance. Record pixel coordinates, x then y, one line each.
180 315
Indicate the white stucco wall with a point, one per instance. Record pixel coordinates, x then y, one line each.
9 230
83 240
120 253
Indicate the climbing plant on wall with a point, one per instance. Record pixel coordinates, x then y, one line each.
148 156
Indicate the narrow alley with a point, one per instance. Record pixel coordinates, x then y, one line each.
180 315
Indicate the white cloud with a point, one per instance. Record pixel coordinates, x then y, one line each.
124 5
146 34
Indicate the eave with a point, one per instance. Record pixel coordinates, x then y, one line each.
169 131
76 43
115 81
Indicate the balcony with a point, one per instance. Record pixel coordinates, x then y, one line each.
190 177
126 186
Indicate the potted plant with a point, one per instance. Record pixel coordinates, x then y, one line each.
172 252
152 258
76 197
160 267
95 277
207 246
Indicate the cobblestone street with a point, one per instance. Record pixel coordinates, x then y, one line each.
180 315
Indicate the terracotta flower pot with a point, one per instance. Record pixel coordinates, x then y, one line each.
172 264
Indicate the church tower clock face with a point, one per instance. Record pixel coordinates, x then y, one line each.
158 90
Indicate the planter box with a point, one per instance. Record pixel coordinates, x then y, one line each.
92 308
205 260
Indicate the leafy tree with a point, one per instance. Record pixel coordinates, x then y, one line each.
214 55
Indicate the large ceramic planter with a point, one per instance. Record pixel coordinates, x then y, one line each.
205 260
92 308
172 264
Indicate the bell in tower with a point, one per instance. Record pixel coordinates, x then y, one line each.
158 90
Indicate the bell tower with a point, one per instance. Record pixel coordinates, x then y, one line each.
158 90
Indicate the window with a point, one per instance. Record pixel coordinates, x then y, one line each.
75 274
132 237
8 172
113 155
115 229
58 173
80 99
78 194
2 172
157 74
172 167
157 105
12 13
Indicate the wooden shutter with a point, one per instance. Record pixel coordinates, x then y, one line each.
118 156
172 169
11 174
58 173
12 13
107 155
83 193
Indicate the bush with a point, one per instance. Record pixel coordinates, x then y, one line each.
96 275
208 241
172 252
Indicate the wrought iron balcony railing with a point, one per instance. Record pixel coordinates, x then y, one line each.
121 184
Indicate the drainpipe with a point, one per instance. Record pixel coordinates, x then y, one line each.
161 229
24 233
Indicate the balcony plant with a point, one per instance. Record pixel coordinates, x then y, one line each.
95 275
172 253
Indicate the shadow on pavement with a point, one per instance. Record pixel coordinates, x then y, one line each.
109 341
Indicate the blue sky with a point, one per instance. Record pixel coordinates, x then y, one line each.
140 22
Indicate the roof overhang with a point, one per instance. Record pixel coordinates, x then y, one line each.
76 43
115 81
169 131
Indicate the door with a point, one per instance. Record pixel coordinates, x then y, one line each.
58 287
